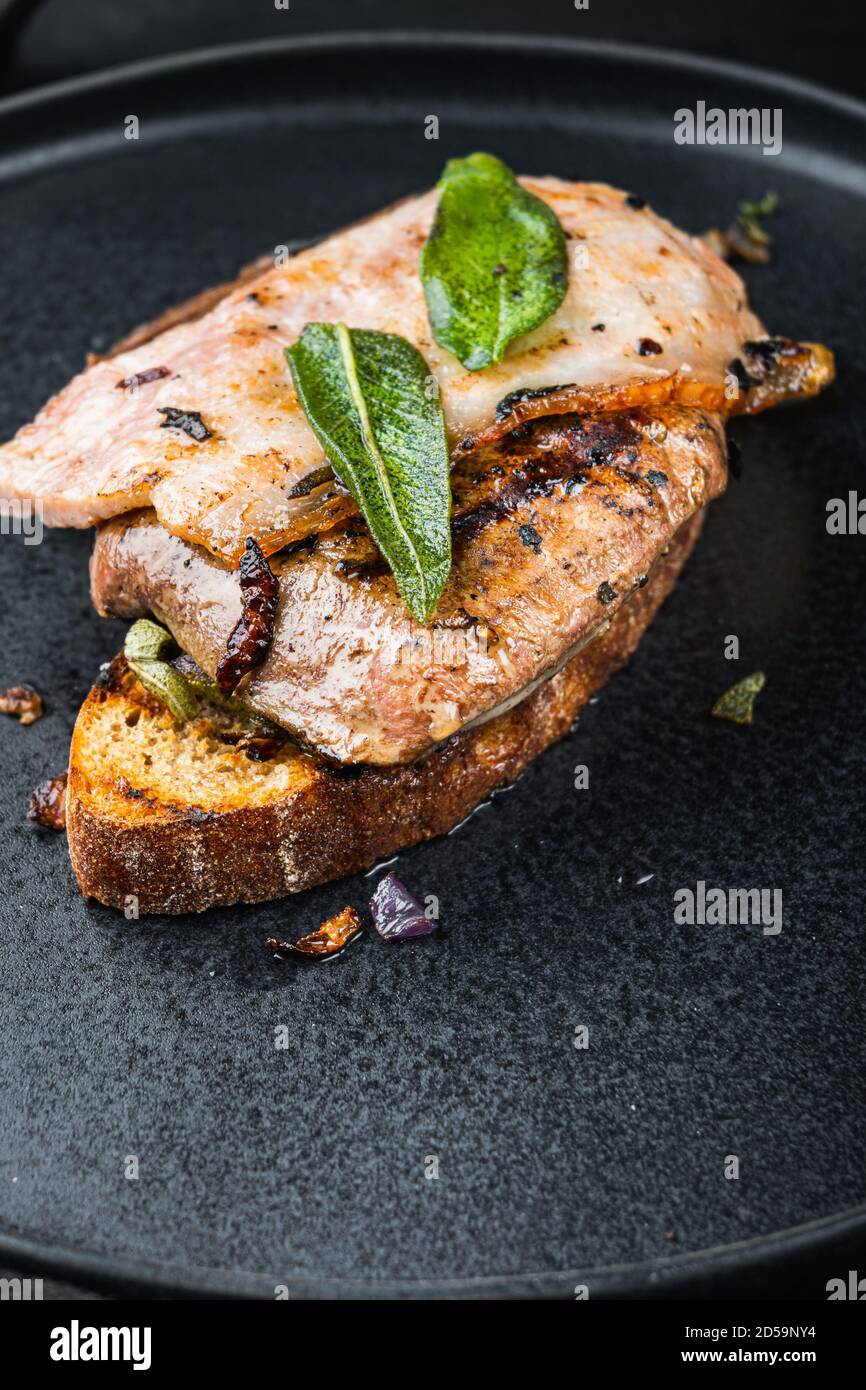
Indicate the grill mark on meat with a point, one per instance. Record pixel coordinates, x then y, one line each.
350 675
577 451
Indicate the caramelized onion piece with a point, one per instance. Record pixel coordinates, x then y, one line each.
48 803
328 941
253 633
24 701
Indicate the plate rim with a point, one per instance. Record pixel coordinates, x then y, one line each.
633 1279
640 1279
216 54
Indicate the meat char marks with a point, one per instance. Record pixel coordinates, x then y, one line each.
554 528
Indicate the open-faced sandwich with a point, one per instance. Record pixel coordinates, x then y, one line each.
384 514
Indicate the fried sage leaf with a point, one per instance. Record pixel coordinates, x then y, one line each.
736 705
201 684
495 264
145 648
376 412
259 739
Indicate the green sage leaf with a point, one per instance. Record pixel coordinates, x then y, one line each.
144 648
495 264
200 683
737 704
375 409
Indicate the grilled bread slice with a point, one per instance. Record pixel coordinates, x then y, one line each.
172 816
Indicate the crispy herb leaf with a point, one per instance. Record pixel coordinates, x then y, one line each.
375 410
144 648
751 215
200 683
737 703
764 207
495 264
746 239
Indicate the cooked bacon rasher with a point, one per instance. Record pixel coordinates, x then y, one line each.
212 435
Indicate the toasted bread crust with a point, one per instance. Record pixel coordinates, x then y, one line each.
325 824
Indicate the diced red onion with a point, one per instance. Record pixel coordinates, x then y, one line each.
397 915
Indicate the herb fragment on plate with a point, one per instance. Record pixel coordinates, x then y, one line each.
736 705
746 239
145 648
376 412
329 940
397 913
750 215
495 265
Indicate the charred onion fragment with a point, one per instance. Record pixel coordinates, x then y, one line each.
606 593
48 803
328 941
743 380
24 701
130 383
779 368
397 913
253 633
735 245
736 705
767 351
187 420
261 747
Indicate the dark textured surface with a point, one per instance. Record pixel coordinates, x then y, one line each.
157 1038
821 42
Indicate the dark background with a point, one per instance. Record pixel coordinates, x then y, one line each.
821 40
54 39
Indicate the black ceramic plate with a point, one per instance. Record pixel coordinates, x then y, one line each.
307 1166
